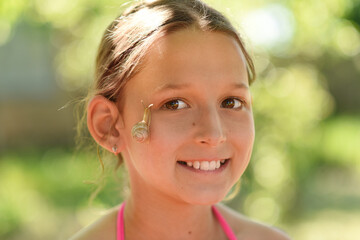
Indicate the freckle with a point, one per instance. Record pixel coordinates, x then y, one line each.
193 124
190 232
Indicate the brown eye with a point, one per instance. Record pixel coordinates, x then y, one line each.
175 105
232 103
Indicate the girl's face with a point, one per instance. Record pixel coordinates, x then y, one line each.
201 116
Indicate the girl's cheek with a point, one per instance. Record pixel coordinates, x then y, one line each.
238 122
242 131
172 127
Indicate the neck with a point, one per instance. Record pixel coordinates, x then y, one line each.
153 217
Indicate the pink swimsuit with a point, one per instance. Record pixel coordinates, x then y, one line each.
120 224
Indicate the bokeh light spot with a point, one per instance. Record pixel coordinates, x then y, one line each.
347 39
269 26
261 207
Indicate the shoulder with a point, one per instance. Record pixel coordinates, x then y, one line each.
244 228
103 228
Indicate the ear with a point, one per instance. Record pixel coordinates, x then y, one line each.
105 123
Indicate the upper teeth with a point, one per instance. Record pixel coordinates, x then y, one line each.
205 165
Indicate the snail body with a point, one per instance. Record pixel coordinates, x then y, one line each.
140 131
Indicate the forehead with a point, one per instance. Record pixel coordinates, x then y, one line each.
190 56
200 49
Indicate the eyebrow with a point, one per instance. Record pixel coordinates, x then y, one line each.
171 86
240 85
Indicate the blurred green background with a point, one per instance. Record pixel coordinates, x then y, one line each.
304 176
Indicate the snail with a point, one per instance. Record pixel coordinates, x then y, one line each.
140 131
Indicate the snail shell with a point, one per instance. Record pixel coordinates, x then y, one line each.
140 131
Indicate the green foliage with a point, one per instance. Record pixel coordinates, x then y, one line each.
45 187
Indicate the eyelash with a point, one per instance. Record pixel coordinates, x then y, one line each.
163 106
242 103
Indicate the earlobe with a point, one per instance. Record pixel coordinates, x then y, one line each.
105 123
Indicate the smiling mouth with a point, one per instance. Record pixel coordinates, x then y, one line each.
205 165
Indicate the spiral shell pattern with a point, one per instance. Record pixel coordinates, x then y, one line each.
140 131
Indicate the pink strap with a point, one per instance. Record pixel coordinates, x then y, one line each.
225 226
120 233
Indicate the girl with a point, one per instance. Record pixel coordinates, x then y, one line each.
180 65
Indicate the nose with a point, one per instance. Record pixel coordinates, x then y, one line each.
209 128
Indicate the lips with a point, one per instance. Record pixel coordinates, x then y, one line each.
204 165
